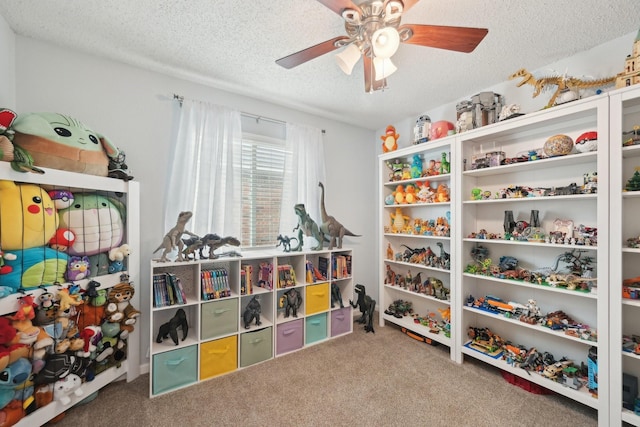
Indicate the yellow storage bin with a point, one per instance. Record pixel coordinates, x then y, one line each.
317 298
218 357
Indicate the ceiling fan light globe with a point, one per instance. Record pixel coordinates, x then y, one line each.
348 58
393 10
351 16
385 42
383 68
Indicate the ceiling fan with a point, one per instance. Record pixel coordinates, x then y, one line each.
374 33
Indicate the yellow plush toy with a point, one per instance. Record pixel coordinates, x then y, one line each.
28 216
28 220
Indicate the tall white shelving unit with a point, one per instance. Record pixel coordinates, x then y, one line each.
611 210
592 210
130 367
425 302
624 260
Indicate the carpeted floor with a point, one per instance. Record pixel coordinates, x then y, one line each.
381 379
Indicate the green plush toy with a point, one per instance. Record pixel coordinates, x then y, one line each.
61 142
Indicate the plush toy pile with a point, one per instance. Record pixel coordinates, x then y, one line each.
54 236
59 340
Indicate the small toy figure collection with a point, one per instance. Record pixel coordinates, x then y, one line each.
563 232
589 186
563 371
403 224
431 286
401 308
415 168
578 275
422 256
531 314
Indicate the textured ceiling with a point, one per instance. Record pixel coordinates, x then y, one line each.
233 45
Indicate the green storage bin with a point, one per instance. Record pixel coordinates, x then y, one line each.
175 368
316 328
219 318
256 346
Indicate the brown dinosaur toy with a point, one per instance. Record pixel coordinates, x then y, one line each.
173 238
331 227
562 82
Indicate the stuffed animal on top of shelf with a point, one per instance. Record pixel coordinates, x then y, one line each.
390 140
58 141
28 221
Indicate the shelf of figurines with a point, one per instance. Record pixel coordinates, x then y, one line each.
576 380
529 315
431 288
545 278
402 224
534 161
432 326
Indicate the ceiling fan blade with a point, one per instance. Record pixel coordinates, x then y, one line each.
309 53
371 85
408 4
461 39
339 5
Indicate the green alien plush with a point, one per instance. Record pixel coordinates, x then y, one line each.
61 142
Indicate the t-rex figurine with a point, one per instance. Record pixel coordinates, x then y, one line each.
331 227
367 307
173 238
308 227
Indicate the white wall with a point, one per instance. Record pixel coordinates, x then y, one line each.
134 108
7 66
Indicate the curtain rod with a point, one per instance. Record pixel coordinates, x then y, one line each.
180 98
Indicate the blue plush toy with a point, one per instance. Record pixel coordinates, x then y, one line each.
11 378
416 166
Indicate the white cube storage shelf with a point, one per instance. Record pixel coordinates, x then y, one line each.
219 341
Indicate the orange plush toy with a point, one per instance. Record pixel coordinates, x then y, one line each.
390 140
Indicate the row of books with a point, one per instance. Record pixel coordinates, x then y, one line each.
341 266
167 290
214 284
246 281
286 276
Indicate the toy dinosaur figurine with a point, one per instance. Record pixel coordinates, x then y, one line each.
331 227
367 308
285 241
308 227
562 82
173 238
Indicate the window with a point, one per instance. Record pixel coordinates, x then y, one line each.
262 161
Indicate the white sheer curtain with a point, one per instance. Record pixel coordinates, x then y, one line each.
202 178
303 170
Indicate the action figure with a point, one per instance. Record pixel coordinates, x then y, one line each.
179 320
367 307
252 312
